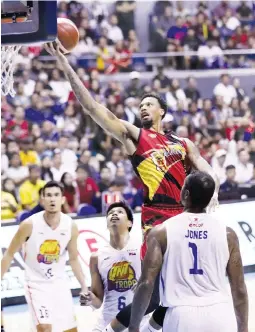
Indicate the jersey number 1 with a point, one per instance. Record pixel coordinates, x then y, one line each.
195 270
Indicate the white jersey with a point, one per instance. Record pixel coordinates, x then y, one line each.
120 270
195 261
45 250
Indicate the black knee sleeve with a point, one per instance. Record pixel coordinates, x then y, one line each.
159 315
124 315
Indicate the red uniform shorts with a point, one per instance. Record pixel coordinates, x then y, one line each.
152 216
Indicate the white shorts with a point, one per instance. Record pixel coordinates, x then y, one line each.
51 304
214 318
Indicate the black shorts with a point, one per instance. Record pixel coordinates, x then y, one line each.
159 312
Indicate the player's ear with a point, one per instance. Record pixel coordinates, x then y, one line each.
63 200
130 224
162 112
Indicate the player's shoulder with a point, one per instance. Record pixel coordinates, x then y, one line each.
231 235
26 227
66 217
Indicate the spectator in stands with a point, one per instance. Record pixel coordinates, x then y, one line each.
120 60
133 42
252 151
239 91
60 87
244 168
85 44
105 179
70 192
210 55
58 168
225 89
232 21
177 32
9 203
69 159
165 21
49 132
29 190
125 11
4 160
16 171
114 32
175 95
17 128
191 91
181 10
221 8
103 54
40 148
69 122
229 188
19 99
86 160
115 162
12 147
46 172
39 207
244 12
164 80
252 104
27 155
135 88
87 187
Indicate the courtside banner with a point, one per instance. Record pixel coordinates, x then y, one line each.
94 234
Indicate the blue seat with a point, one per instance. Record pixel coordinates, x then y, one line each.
86 210
23 216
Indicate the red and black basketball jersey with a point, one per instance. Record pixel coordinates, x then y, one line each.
160 163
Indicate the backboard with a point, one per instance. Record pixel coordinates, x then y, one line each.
29 22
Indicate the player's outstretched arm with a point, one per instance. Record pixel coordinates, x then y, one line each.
94 297
152 264
24 232
101 115
74 260
236 280
199 163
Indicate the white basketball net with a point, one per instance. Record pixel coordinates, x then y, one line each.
8 61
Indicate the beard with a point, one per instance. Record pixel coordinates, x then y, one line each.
147 124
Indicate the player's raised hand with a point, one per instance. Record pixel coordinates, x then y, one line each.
56 49
214 204
86 299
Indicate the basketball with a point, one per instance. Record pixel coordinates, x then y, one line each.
68 34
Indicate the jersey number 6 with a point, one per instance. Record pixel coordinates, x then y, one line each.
195 270
121 302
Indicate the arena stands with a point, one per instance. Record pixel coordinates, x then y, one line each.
45 134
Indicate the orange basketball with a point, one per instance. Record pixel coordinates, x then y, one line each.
68 34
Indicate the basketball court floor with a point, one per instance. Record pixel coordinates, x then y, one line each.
17 318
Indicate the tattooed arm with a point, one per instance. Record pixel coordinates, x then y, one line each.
156 246
236 280
100 114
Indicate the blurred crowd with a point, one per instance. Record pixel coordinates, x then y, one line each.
46 135
109 34
174 27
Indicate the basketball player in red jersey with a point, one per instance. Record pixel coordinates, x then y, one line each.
162 162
